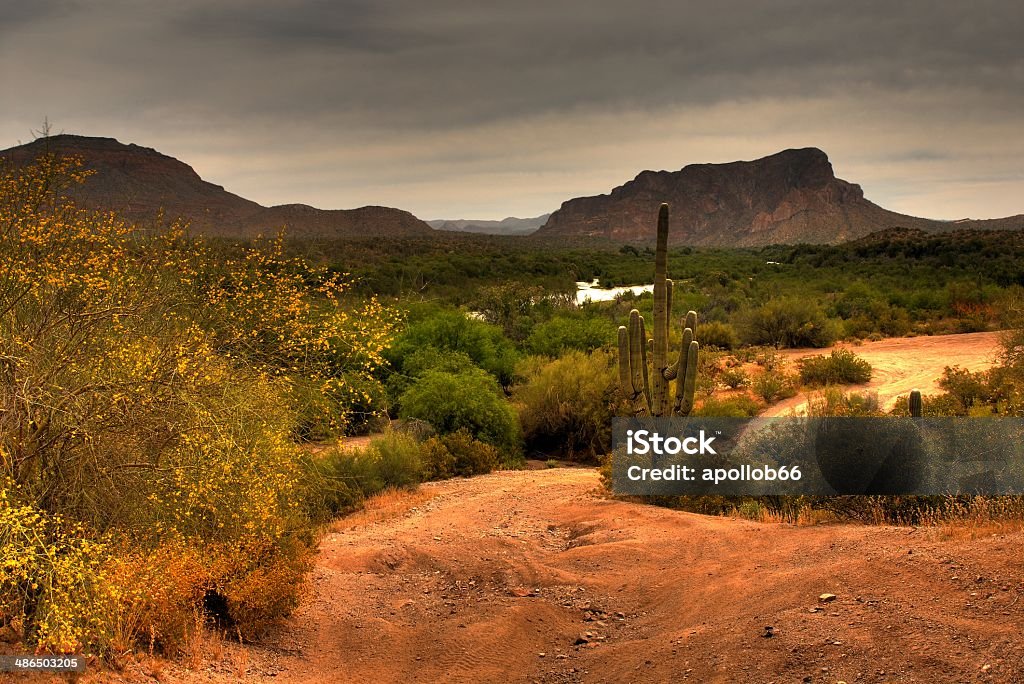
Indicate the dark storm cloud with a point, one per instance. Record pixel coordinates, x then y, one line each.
400 87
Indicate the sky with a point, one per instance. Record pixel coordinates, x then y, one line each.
467 109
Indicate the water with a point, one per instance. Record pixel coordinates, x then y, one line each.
591 292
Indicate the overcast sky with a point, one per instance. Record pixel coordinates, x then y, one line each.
453 109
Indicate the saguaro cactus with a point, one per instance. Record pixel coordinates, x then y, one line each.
649 386
915 404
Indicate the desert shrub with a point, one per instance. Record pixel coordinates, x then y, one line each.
397 459
341 478
833 402
841 367
734 407
562 333
458 455
516 307
284 317
717 334
453 331
932 405
963 385
438 461
709 371
734 378
789 322
471 400
147 418
419 362
773 385
567 405
768 358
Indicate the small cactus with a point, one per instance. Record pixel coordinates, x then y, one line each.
915 403
648 385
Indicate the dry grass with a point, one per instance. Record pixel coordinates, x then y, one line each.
980 517
952 519
388 504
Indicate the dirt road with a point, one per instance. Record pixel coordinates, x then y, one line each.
533 576
901 364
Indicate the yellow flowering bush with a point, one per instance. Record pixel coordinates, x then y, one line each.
148 405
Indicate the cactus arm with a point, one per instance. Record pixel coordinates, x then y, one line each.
625 380
643 364
687 386
691 322
633 362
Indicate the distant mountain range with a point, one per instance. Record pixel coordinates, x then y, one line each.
140 183
789 197
507 226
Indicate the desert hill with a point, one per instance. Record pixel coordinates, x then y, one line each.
789 197
139 182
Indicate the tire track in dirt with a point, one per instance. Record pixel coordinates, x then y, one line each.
534 576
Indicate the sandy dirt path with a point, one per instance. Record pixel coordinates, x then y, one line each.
901 364
533 576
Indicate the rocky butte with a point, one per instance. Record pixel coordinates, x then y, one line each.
789 197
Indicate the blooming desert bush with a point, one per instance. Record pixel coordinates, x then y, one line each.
149 478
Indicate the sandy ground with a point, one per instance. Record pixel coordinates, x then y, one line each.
533 576
901 364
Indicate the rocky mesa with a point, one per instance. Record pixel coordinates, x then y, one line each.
789 197
140 184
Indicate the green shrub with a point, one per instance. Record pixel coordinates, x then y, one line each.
470 400
563 333
932 405
773 385
734 378
397 459
734 407
833 402
789 322
453 331
966 387
719 335
339 480
458 455
567 405
841 367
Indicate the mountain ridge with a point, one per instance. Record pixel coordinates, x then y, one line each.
787 197
510 225
142 184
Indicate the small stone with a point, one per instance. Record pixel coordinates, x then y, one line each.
826 598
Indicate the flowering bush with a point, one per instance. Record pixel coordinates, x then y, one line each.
147 416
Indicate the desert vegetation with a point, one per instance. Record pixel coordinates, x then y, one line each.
173 410
154 391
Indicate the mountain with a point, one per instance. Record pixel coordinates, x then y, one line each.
507 226
789 197
139 183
